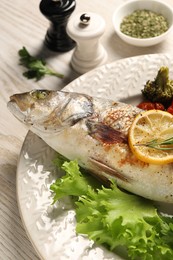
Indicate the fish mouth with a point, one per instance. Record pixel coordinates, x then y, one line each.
20 101
13 99
14 109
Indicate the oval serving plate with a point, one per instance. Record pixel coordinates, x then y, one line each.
51 228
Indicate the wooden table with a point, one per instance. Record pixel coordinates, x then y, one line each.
22 24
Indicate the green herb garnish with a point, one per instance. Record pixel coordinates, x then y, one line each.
36 67
166 144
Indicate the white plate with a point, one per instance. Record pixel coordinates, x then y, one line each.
51 229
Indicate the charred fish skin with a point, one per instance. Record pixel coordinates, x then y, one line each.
95 132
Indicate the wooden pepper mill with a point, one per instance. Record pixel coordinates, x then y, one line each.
58 13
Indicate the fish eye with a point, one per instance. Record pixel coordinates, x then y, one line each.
39 94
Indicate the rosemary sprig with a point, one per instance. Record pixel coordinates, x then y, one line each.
166 144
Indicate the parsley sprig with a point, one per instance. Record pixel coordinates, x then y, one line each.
36 67
166 144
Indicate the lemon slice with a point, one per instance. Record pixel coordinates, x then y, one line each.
147 131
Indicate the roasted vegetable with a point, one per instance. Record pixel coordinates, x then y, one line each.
161 89
170 108
151 105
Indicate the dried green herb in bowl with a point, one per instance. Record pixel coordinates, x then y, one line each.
144 24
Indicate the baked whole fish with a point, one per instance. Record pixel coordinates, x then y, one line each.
95 132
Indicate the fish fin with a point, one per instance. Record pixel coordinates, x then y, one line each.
105 133
102 167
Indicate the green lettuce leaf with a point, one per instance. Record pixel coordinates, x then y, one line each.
115 218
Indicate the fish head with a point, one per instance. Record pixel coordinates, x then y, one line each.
31 107
49 111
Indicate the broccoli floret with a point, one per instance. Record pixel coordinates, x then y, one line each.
161 89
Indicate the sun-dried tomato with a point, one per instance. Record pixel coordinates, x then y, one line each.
170 108
146 105
151 105
159 106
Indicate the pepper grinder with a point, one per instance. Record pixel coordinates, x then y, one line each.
58 13
86 29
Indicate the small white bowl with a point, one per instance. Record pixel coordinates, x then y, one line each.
152 5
